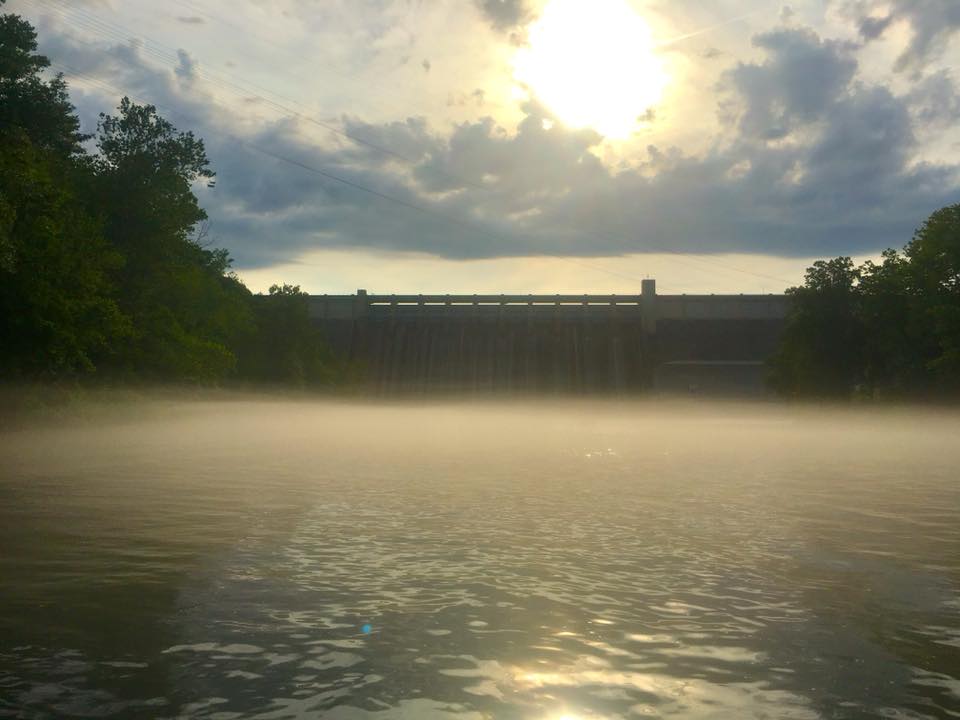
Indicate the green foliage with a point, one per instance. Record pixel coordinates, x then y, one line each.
288 347
18 45
890 328
934 259
821 346
8 215
57 313
145 172
102 261
187 314
39 108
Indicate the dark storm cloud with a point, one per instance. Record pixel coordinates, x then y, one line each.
814 162
191 20
533 163
407 141
873 27
798 82
504 14
186 66
933 23
935 100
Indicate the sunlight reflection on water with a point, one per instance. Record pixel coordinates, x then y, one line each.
271 560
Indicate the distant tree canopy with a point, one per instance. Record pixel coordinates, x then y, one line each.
103 269
890 328
287 350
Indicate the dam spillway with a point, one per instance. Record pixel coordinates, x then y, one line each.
555 343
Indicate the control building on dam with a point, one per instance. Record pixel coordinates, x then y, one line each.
545 343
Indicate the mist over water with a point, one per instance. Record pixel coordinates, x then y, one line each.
288 559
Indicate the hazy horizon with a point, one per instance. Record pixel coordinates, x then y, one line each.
534 560
696 496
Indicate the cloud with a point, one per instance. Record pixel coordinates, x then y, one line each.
935 101
504 14
850 187
191 20
186 67
871 27
933 24
800 79
408 141
812 160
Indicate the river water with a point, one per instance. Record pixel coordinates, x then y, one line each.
272 559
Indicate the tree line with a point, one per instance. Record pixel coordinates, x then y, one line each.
886 329
104 271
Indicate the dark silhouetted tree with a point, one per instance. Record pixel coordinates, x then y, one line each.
187 312
105 260
38 107
821 352
57 310
890 328
287 348
933 256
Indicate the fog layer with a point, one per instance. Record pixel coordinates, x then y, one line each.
274 558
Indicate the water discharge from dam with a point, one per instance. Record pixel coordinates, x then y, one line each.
582 344
291 559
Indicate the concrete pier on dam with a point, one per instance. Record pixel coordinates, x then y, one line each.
711 344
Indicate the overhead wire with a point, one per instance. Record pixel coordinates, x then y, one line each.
171 56
350 183
123 34
665 43
331 176
119 33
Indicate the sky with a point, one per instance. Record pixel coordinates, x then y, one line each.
542 146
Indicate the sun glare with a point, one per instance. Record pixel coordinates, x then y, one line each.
592 63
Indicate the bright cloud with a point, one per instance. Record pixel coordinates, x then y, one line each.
388 129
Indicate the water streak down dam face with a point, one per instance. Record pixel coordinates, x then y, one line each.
558 343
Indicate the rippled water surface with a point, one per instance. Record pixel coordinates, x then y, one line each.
253 559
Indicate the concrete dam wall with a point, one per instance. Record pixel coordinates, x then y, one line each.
558 343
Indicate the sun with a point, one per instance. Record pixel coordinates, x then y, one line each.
592 63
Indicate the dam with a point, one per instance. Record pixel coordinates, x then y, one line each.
555 343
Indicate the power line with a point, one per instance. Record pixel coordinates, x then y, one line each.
358 186
679 257
419 208
122 34
378 79
94 24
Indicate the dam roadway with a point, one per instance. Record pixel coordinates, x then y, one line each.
555 343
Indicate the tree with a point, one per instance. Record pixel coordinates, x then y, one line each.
101 263
891 327
187 312
821 350
39 108
287 348
934 260
57 313
896 348
147 170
